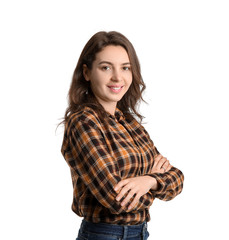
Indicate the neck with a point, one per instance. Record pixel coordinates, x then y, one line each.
110 108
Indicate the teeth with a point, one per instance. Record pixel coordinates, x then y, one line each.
115 88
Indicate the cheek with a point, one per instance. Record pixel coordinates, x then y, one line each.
130 80
98 84
95 80
99 78
128 84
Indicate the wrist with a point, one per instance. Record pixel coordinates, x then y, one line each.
153 183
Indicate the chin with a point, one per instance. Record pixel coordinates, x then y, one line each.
117 99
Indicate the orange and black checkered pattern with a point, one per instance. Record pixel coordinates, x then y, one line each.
100 155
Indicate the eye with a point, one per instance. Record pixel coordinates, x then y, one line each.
106 68
126 68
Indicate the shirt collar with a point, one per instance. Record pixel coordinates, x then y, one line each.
118 115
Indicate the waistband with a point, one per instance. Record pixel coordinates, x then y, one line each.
113 229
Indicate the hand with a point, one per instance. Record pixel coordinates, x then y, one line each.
161 165
134 187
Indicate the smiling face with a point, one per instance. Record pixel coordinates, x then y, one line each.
110 76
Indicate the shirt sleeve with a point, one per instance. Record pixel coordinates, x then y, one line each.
88 155
170 184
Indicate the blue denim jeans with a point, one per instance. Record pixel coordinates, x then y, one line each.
104 231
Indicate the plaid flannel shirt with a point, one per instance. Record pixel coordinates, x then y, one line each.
100 155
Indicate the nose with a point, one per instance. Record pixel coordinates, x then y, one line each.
116 75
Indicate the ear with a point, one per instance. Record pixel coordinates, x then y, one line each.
86 72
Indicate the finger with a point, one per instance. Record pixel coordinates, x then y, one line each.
166 165
128 197
157 160
124 191
168 168
161 162
121 184
158 157
134 202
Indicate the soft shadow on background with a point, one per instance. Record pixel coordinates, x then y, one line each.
183 50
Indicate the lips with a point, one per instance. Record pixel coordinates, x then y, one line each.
115 88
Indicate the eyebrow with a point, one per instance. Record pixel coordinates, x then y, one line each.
106 62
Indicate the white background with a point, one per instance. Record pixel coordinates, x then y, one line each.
184 53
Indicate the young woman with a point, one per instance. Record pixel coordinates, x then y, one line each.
116 170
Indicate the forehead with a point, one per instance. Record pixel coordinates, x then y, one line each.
113 54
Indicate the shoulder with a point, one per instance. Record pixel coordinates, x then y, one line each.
79 124
85 116
134 123
139 128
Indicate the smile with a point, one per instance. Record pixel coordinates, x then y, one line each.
115 89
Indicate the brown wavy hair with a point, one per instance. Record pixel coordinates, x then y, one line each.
80 93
